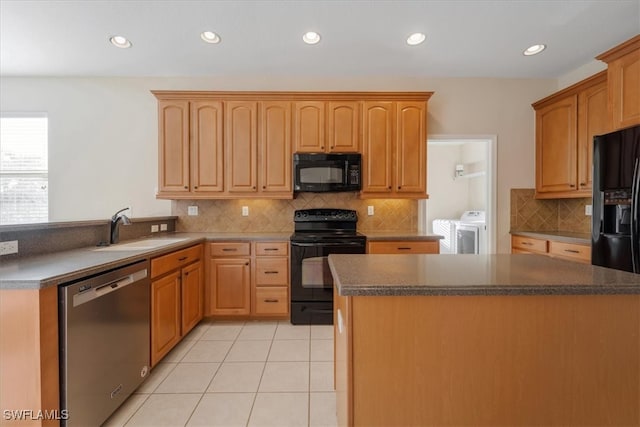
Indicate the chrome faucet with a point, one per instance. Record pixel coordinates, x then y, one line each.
115 225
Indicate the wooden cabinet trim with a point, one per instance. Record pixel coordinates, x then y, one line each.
292 96
620 50
571 90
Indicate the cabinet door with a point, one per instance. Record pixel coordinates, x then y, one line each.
309 126
230 286
173 147
624 81
241 145
343 132
556 146
206 147
275 147
377 146
192 296
592 120
411 147
165 315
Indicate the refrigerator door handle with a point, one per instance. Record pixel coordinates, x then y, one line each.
635 217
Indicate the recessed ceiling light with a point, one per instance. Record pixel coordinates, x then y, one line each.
210 37
535 49
415 39
119 41
311 37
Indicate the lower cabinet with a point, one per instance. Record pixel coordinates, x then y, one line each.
248 279
552 248
403 247
176 298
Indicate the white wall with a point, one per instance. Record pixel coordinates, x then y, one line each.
448 197
474 157
103 131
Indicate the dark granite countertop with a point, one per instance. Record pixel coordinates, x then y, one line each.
558 236
456 275
41 271
400 235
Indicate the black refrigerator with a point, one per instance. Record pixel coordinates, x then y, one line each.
615 227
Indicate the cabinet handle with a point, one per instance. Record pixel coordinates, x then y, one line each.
246 263
573 251
527 243
270 249
264 187
271 300
582 184
186 273
404 248
186 187
229 249
399 187
389 187
572 185
254 187
195 187
182 258
271 272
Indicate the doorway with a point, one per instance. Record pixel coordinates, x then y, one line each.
461 177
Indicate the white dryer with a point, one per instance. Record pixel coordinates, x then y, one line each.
471 233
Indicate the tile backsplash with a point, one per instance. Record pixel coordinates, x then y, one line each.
531 214
277 215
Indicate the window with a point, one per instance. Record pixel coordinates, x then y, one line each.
24 175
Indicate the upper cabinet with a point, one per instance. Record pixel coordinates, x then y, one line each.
566 123
240 144
624 83
394 149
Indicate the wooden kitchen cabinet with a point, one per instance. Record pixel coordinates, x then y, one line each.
309 126
274 142
553 248
207 159
394 152
403 247
271 280
343 126
176 298
241 143
229 285
623 70
173 149
566 123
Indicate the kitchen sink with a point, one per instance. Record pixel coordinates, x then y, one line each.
141 245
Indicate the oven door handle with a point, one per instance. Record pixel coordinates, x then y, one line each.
319 244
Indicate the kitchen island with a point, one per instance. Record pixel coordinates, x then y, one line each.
493 340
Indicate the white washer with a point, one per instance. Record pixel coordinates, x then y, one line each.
446 228
471 233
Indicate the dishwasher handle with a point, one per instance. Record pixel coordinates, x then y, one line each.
106 288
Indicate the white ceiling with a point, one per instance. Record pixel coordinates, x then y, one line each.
264 38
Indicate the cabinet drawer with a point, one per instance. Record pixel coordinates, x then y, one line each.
570 251
230 249
272 248
529 244
404 247
164 264
272 300
272 271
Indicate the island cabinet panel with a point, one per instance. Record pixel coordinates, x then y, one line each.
241 142
563 360
173 150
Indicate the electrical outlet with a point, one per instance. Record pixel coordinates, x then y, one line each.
588 210
163 227
369 210
155 228
9 247
192 210
245 211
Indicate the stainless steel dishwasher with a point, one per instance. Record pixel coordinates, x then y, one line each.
104 342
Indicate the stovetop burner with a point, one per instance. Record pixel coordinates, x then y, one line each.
325 224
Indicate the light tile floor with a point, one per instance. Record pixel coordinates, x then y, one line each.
239 374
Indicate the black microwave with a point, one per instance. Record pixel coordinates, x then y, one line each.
319 172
